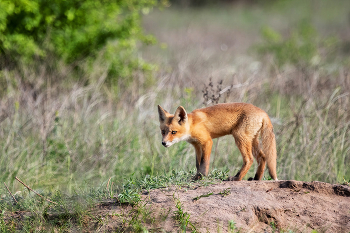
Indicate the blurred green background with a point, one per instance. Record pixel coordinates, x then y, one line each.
80 82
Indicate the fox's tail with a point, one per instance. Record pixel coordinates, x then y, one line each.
269 147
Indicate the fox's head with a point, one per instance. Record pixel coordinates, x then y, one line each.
174 128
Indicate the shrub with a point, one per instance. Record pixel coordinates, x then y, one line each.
74 30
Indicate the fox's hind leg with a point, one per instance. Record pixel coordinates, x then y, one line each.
245 147
260 158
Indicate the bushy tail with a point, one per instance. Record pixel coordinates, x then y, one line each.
269 147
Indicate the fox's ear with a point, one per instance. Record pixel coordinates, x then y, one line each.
180 115
162 114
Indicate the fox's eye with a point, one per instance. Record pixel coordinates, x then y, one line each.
173 132
163 132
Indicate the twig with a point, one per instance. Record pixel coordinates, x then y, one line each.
35 192
10 193
227 89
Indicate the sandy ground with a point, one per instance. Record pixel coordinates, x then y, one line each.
254 206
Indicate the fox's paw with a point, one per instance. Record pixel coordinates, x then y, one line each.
198 176
232 178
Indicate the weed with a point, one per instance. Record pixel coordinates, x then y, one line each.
211 95
273 226
231 226
182 217
225 192
219 174
129 196
204 195
139 215
346 182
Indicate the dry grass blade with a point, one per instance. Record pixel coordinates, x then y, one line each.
10 193
35 192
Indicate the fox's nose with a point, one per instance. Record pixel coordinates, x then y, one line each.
164 144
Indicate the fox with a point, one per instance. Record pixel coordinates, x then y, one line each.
245 122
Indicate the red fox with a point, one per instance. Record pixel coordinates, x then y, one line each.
245 122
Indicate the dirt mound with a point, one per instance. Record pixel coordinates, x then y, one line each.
253 206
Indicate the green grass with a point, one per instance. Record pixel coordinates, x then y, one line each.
74 211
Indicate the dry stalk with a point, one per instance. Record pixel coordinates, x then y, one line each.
10 193
35 192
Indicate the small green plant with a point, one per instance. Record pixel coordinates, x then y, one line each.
204 195
182 217
231 226
139 215
225 192
130 194
273 226
220 174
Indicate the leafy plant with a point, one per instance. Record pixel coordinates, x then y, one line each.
75 30
130 193
225 192
232 226
183 217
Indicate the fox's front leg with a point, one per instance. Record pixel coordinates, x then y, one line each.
198 150
202 158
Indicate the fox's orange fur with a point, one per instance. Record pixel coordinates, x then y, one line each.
244 122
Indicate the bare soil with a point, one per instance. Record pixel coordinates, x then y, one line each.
254 206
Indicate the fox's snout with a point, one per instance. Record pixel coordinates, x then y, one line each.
166 144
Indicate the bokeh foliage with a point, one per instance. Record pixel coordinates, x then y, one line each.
302 48
74 31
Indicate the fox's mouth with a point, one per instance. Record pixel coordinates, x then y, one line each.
166 144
